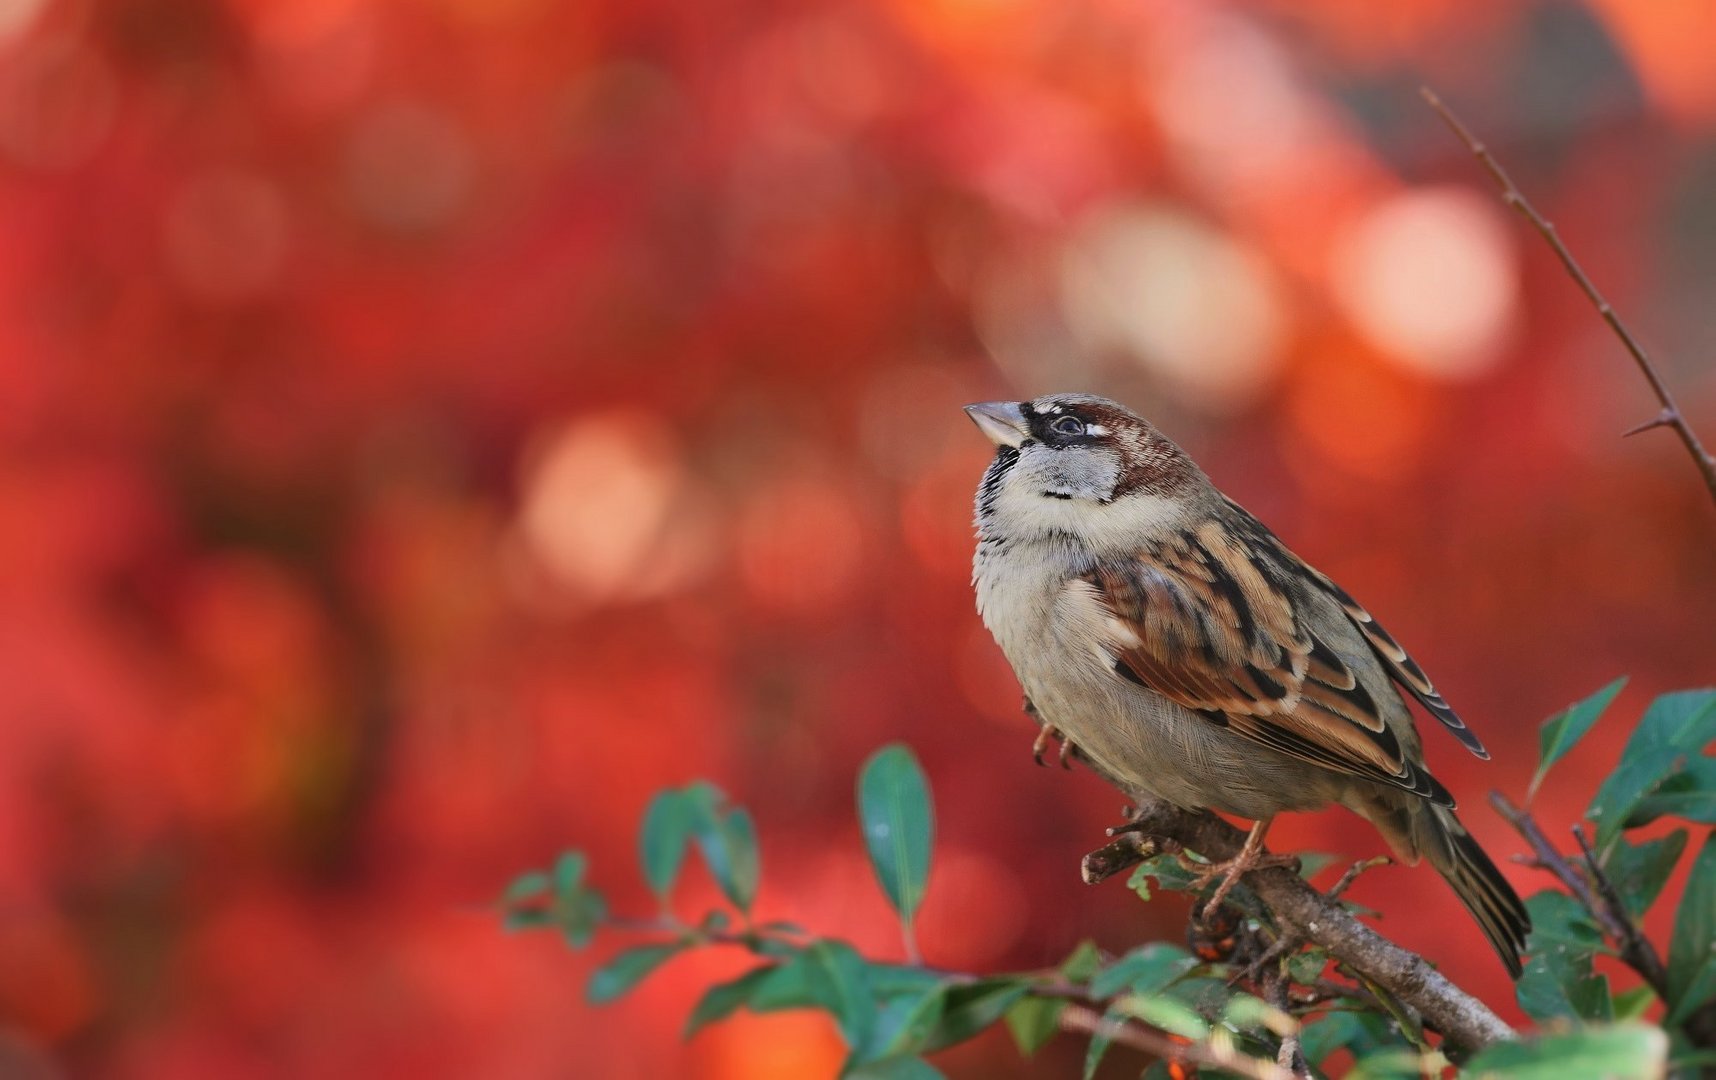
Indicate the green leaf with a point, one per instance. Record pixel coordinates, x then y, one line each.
838 981
1100 1040
524 887
627 970
1034 1021
1561 732
1688 793
896 1068
1165 1013
1361 1033
578 912
1692 950
1144 970
728 841
1084 962
668 827
1312 863
1631 1004
1244 1012
972 1007
1639 871
826 975
723 999
1618 1052
1559 980
905 1022
1393 1064
569 873
898 820
1676 726
1307 966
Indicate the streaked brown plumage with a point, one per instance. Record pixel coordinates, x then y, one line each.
1190 655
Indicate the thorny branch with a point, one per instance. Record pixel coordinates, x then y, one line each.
1591 887
1670 416
1306 914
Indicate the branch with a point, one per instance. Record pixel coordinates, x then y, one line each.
1303 912
1086 1020
1598 896
1670 416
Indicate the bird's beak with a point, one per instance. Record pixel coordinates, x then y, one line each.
1002 421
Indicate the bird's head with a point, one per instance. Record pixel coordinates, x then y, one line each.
1080 465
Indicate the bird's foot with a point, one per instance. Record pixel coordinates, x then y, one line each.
1067 751
1250 857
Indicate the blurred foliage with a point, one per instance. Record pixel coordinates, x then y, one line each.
891 1016
428 428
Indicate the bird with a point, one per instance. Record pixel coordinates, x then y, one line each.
1186 653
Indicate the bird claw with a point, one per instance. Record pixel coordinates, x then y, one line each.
1250 857
1041 745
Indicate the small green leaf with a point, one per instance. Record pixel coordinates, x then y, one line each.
898 820
1307 966
786 985
837 978
1394 1064
1675 727
727 840
569 873
1139 882
1561 732
1688 793
1631 1004
1692 950
1312 863
668 827
1100 1040
905 1022
1084 962
1559 980
627 970
1619 1052
1246 1012
1144 970
1339 1031
578 913
1639 871
896 1068
524 887
723 999
526 919
972 1007
1034 1021
1165 1013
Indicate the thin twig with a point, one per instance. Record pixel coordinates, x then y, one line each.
1597 894
1546 858
1353 873
1670 416
1088 1021
1636 950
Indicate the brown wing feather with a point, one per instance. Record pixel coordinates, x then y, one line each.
1203 622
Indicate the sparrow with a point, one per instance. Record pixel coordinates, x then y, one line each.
1189 655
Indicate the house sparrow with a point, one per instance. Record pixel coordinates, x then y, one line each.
1190 656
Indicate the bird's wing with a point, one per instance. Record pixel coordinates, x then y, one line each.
1400 666
1203 620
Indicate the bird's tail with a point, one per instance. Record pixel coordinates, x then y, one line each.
1477 882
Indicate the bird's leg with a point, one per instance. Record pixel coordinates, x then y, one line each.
1046 732
1251 857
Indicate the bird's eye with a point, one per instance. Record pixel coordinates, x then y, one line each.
1067 425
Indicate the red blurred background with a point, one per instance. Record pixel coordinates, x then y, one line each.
430 426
